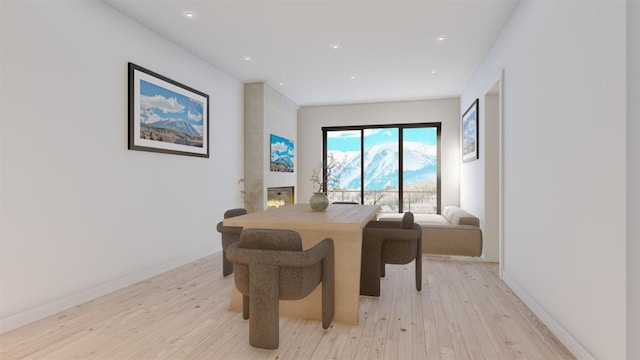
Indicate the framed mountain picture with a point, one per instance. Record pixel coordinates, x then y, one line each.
166 116
470 148
281 154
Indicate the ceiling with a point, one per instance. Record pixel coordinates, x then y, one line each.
388 50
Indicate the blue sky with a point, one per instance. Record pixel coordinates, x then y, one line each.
350 140
158 103
281 147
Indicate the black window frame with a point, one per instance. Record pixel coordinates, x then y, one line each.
400 127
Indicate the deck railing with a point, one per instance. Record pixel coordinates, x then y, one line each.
424 202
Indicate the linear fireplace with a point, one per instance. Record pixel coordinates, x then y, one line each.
279 196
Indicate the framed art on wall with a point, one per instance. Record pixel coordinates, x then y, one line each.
166 116
470 148
281 154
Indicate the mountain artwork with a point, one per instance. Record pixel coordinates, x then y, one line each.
281 154
169 116
166 116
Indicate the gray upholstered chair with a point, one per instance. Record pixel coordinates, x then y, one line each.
271 266
389 242
230 234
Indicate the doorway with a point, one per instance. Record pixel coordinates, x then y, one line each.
493 241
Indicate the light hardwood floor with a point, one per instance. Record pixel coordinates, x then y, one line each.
463 312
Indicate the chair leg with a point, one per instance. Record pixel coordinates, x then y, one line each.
419 272
370 267
328 290
419 264
227 266
264 327
227 240
245 307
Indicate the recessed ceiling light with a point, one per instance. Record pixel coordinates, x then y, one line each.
434 71
352 77
246 58
281 84
189 14
440 38
335 46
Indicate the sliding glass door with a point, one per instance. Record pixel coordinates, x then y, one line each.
394 166
381 167
343 154
420 170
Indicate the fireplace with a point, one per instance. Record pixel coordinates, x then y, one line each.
279 196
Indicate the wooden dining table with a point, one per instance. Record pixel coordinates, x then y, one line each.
341 222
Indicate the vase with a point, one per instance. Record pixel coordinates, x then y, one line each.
319 201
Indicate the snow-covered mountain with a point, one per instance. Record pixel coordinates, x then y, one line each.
284 159
177 124
381 166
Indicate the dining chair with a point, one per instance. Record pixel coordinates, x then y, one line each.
270 265
230 235
389 242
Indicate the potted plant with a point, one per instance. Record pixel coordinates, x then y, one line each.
322 176
250 194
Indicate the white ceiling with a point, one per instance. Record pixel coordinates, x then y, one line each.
389 46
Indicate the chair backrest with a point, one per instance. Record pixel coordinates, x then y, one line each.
266 239
295 282
230 234
401 252
235 212
407 221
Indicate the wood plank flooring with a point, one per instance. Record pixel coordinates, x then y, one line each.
463 312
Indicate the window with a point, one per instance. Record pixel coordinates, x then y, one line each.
394 166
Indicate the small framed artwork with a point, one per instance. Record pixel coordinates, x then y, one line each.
281 154
470 148
166 116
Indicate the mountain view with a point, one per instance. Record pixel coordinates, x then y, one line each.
381 166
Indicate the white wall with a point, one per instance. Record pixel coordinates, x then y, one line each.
564 162
312 119
1 157
81 214
633 179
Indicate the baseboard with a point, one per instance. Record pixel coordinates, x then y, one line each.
571 343
42 311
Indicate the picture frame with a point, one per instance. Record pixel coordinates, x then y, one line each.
166 116
470 139
281 154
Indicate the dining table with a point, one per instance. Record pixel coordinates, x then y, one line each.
341 222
